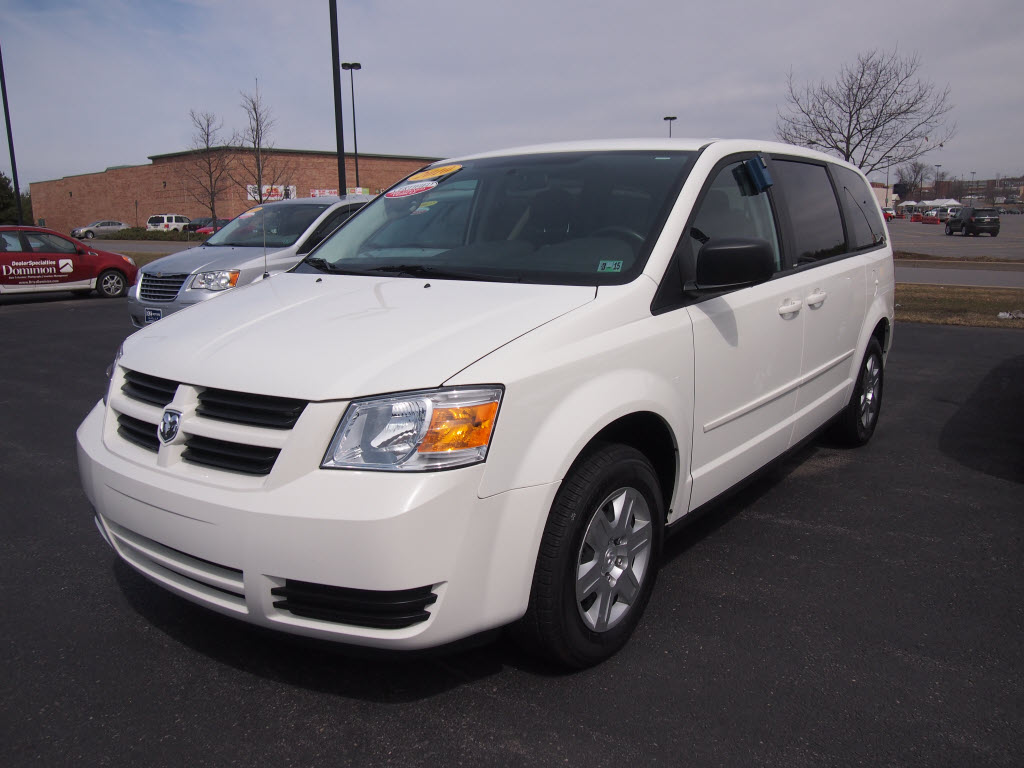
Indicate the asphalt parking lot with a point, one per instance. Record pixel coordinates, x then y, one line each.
931 239
857 607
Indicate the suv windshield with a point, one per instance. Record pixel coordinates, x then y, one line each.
579 218
276 226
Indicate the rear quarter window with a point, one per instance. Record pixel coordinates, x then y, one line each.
863 222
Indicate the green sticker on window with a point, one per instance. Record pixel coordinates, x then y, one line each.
609 266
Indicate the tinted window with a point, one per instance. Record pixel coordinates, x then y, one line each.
732 208
155 220
275 225
813 210
863 222
984 211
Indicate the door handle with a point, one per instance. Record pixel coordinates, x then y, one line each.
790 307
816 299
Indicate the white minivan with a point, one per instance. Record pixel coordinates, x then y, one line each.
485 399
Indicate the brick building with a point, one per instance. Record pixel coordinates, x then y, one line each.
133 193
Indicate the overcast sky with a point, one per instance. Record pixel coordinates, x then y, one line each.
97 83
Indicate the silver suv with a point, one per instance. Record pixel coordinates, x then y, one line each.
269 238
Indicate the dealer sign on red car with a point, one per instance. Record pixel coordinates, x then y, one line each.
35 260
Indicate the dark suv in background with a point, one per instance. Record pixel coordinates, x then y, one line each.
974 221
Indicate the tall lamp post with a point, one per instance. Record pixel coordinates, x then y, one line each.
351 67
936 185
887 158
973 196
669 120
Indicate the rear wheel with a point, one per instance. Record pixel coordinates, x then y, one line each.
856 423
949 230
111 284
598 558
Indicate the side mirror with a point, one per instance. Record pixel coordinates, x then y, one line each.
730 263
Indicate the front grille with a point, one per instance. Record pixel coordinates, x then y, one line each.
255 410
358 607
160 288
211 582
148 389
137 431
233 457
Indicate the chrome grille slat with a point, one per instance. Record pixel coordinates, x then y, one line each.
162 288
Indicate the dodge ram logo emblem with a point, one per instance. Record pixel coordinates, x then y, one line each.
168 429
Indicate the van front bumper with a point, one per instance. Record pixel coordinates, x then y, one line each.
390 560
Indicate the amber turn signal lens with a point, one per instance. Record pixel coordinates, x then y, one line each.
455 429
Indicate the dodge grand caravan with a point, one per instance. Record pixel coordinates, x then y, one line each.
485 399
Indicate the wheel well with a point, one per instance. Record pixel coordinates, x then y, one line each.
883 333
649 434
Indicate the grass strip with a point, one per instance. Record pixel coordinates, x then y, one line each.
958 305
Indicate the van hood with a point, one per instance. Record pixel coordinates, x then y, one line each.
338 337
206 258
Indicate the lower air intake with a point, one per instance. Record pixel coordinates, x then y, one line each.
357 607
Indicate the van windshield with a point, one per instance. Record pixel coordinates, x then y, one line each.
277 226
578 218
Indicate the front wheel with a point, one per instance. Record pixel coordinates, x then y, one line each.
598 558
856 423
89 235
111 284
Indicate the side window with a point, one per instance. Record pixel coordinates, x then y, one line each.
328 225
817 225
10 242
863 223
732 208
44 243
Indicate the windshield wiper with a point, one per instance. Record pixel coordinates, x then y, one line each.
318 263
419 270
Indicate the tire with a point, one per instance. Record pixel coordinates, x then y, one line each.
89 234
994 234
949 230
598 558
856 423
111 284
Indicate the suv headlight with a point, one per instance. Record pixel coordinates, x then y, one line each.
416 431
216 281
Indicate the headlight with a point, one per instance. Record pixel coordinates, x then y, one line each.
216 281
416 431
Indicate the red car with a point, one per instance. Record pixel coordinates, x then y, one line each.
34 260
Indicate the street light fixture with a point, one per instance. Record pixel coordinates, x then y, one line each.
669 120
350 67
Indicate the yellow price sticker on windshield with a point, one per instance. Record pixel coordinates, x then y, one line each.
433 173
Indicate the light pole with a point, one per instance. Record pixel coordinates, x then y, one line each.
936 185
669 120
886 159
351 67
972 188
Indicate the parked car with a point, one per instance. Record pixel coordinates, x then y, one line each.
974 221
941 213
486 398
265 239
211 227
889 214
167 222
195 224
36 260
105 227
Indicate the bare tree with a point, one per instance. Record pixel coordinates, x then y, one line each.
258 166
209 170
876 114
913 174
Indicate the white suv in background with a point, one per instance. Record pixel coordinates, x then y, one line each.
485 399
167 221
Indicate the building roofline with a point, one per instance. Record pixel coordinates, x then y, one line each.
280 150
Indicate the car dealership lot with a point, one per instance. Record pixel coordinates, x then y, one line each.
850 607
915 237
